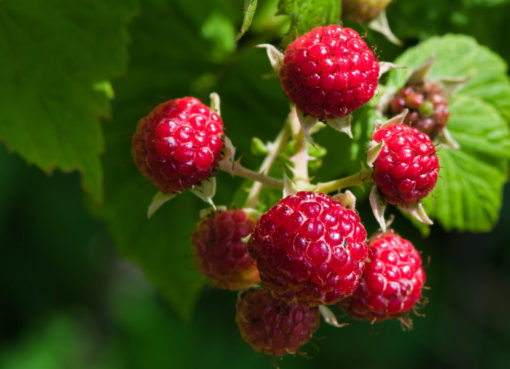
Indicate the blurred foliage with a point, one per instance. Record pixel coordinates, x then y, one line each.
52 78
68 302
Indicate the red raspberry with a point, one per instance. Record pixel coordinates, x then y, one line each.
272 326
406 169
392 280
309 248
178 144
329 72
220 251
427 104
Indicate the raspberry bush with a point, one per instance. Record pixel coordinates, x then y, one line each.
319 167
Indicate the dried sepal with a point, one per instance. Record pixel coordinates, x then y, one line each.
206 190
307 123
329 317
373 150
342 124
418 212
215 103
275 56
378 206
380 24
444 139
159 200
347 199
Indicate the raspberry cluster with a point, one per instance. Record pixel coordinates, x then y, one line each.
220 252
309 248
406 169
427 104
392 281
329 72
178 144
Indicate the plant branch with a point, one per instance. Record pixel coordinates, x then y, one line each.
356 179
300 158
274 148
236 169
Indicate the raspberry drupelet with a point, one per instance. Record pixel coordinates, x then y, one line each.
220 252
392 282
329 72
273 326
178 144
406 169
309 248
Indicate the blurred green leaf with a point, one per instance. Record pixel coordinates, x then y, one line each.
61 343
54 54
468 194
307 14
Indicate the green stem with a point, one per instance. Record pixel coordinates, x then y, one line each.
236 169
275 148
356 179
300 157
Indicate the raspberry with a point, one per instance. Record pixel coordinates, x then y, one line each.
272 326
428 107
178 144
220 251
363 11
406 169
329 72
309 248
392 280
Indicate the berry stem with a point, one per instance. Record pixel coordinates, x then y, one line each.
356 179
236 169
274 149
300 158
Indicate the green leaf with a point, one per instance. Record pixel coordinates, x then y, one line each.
461 56
250 6
56 59
307 14
468 193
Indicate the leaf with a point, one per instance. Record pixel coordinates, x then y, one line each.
56 59
468 194
250 6
305 15
461 56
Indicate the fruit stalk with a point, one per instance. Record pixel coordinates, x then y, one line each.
236 169
356 179
274 149
300 158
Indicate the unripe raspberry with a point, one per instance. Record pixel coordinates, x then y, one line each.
363 11
178 144
406 169
273 326
309 248
329 72
220 251
392 281
427 104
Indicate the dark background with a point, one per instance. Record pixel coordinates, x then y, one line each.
68 300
